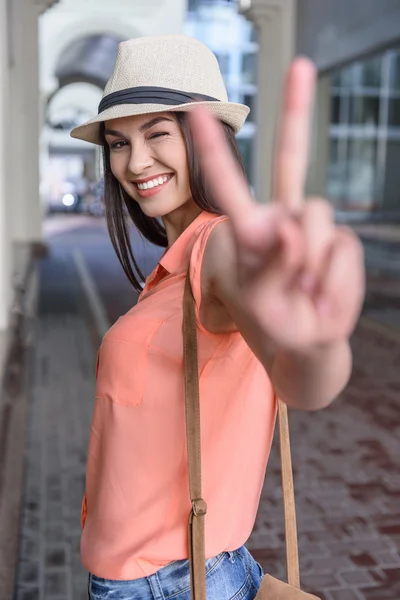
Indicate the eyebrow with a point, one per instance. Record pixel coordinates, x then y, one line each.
143 128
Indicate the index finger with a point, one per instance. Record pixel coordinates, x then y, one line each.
227 182
292 145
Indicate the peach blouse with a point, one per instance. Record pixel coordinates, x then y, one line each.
136 505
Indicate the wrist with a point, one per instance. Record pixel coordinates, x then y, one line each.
315 352
311 378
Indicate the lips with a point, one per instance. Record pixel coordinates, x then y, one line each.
152 178
152 181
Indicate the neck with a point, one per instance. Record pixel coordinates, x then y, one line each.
177 221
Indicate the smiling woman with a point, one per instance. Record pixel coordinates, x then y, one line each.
273 293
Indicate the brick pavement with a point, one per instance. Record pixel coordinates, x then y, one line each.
347 479
346 463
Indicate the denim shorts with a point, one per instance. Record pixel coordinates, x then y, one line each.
229 576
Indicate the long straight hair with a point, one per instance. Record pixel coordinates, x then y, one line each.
121 209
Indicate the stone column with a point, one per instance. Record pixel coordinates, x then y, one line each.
5 254
24 117
275 24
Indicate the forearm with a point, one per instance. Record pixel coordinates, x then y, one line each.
311 382
305 381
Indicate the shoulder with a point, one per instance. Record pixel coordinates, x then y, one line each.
208 252
219 258
217 273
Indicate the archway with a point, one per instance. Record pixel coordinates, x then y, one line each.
87 59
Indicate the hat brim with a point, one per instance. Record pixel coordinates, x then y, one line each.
230 112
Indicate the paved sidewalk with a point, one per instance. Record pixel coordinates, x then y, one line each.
346 458
62 392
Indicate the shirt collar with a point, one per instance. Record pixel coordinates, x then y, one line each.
176 256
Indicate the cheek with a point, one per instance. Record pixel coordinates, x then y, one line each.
117 167
184 169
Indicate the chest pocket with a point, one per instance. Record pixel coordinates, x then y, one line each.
123 362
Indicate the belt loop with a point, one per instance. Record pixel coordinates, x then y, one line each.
155 586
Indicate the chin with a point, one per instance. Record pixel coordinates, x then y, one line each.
159 207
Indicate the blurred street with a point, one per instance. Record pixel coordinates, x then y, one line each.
346 459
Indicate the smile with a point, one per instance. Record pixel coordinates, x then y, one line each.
153 182
153 186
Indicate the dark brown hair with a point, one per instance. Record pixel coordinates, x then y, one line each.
121 208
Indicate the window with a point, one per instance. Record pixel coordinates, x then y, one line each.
395 72
391 199
394 112
337 175
248 30
249 68
364 110
249 100
246 150
371 72
362 173
342 77
335 109
223 61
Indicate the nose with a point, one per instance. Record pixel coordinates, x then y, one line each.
140 159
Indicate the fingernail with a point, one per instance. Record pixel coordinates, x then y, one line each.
308 282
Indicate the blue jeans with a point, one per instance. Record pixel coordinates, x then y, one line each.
229 576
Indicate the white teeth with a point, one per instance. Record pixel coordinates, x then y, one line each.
153 183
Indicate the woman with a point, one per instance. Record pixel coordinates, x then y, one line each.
278 290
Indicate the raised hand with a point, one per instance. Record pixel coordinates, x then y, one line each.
301 277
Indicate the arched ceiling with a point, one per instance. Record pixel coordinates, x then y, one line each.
88 59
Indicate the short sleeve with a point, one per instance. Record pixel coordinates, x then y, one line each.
196 262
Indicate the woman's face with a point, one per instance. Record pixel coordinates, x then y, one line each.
148 157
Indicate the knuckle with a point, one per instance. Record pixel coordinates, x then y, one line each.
348 238
319 207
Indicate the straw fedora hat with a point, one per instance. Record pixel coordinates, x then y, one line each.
162 73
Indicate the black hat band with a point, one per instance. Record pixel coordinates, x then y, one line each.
151 95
